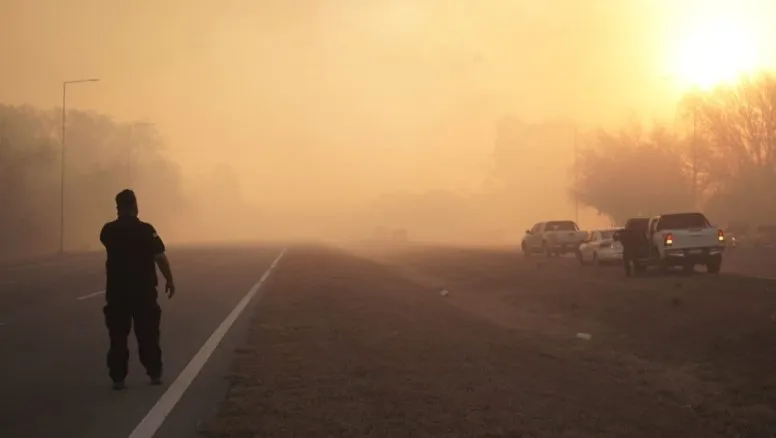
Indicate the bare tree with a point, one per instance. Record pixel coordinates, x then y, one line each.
633 172
29 182
738 125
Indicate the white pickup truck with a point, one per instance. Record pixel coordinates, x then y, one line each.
552 238
685 239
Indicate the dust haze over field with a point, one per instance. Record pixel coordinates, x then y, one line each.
453 119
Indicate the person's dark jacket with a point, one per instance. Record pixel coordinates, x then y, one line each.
634 242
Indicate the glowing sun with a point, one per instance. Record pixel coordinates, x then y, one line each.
714 53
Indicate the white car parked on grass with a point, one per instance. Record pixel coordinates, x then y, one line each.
598 247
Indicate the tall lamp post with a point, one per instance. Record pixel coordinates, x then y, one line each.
694 148
62 162
576 174
694 142
694 151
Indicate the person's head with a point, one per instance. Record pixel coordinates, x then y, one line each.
126 203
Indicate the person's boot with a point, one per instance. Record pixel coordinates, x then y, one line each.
119 385
156 380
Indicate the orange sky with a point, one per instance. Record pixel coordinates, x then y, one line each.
310 96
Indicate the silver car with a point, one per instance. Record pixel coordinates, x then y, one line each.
598 247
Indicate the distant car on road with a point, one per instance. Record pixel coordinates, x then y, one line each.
736 233
599 247
552 238
731 240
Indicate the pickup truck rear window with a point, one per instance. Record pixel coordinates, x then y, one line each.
561 226
682 221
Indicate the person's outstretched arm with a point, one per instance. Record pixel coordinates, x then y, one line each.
158 248
164 267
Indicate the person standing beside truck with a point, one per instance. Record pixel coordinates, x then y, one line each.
635 245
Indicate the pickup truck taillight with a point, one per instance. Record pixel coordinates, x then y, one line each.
721 235
668 240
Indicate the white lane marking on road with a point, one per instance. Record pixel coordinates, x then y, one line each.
91 295
156 416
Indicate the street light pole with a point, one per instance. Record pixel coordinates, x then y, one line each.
576 174
694 144
694 152
62 162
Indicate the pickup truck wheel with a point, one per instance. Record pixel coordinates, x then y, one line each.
596 262
526 251
714 266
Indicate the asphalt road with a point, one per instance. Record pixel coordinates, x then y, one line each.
53 343
53 340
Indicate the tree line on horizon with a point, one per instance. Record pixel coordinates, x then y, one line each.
102 157
719 157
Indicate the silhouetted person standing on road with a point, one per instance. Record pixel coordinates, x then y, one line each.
134 249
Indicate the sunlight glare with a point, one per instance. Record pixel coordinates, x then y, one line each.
715 53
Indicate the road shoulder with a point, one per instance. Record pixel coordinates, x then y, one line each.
341 346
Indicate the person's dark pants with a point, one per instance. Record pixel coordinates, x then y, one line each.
626 264
120 312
